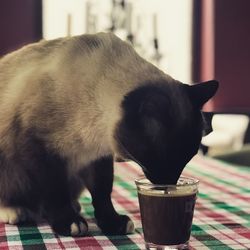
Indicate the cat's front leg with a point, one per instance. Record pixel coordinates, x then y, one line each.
63 213
60 208
65 221
98 178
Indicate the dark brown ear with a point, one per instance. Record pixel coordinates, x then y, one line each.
200 93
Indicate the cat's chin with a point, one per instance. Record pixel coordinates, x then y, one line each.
161 181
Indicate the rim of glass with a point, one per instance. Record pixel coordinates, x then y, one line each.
138 182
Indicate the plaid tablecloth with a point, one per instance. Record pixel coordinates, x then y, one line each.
221 219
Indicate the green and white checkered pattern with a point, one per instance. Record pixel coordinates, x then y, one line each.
221 218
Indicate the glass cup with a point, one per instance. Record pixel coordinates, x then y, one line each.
167 212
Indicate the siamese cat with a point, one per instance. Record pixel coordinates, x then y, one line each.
68 107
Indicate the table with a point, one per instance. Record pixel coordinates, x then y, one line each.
221 218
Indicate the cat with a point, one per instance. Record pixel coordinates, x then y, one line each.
69 106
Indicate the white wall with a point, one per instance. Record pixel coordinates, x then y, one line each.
174 19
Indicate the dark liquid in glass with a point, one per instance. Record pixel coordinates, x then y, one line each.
167 220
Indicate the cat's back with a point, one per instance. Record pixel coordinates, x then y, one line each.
71 68
25 67
52 54
29 54
22 63
59 70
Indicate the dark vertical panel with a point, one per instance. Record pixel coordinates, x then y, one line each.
232 54
229 46
196 41
20 23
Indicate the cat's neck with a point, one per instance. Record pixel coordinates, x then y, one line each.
115 85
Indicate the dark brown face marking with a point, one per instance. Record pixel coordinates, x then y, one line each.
161 129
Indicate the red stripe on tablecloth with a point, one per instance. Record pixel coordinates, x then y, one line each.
233 194
125 203
3 238
89 243
221 219
85 242
210 163
59 242
131 168
190 247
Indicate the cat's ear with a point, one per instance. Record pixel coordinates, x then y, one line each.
200 93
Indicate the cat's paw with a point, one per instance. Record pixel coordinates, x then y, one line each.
76 227
79 228
120 224
12 215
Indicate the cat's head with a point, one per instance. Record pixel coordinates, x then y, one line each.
161 127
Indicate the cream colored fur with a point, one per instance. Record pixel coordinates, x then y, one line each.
11 215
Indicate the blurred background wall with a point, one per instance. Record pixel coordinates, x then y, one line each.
140 21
